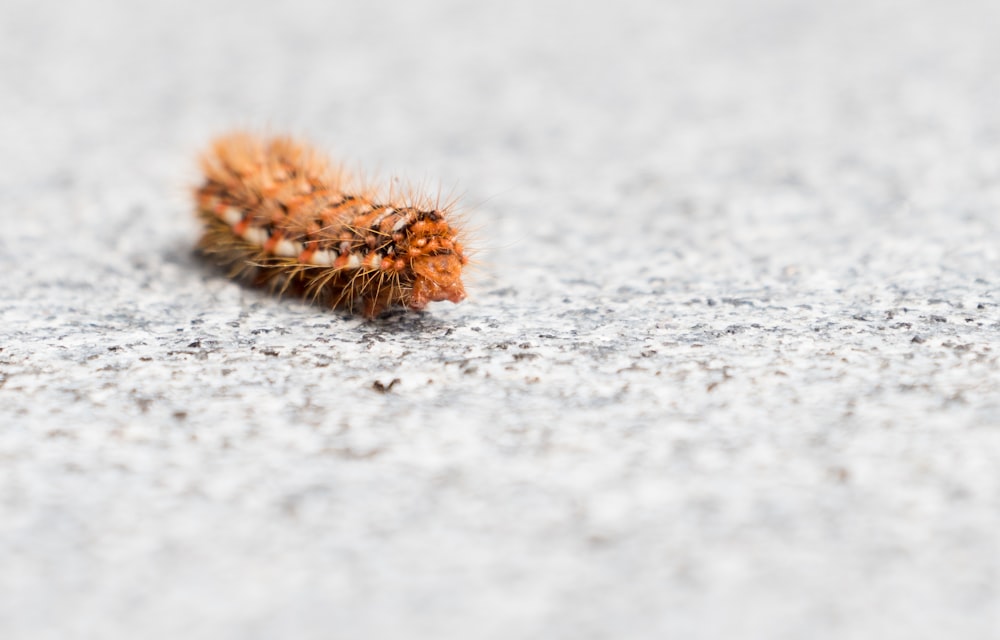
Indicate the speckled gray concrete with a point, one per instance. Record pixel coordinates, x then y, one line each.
728 369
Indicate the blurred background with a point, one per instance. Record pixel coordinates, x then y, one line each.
832 118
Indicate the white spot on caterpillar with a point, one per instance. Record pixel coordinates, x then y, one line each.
232 216
321 259
353 261
385 213
402 223
255 235
288 249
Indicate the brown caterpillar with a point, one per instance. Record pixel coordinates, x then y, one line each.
278 213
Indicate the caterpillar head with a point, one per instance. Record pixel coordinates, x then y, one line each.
437 277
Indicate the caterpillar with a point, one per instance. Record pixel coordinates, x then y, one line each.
276 211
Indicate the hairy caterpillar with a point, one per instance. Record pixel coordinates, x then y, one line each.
277 212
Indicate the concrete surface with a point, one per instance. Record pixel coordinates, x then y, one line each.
728 369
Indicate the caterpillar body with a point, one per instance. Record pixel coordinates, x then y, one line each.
277 212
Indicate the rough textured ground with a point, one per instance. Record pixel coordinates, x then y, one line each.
729 366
